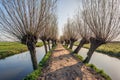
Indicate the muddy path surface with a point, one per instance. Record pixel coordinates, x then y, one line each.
63 66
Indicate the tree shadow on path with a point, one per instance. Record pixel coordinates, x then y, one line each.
66 73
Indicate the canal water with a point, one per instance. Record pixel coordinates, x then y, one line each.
110 65
16 67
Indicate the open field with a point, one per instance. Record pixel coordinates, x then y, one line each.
112 49
11 48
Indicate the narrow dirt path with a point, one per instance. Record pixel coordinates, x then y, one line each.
63 66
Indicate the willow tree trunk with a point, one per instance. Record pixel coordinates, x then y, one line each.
52 44
71 44
66 43
55 43
48 45
94 45
31 47
82 42
45 46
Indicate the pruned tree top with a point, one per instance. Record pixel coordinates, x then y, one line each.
102 17
22 18
82 27
50 31
70 30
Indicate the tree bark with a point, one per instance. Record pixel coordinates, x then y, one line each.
90 53
94 45
48 45
71 44
31 47
55 43
82 42
45 46
66 43
52 44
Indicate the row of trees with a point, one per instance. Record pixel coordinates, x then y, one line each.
50 32
70 33
29 20
98 23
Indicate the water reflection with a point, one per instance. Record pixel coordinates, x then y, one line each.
18 66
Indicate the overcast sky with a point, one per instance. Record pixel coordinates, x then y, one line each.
66 9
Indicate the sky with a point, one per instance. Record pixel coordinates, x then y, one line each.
66 9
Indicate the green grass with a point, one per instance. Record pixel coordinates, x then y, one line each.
35 74
79 57
74 54
11 48
98 71
39 44
45 59
67 48
111 49
101 72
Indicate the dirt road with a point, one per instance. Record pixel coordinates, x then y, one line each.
63 66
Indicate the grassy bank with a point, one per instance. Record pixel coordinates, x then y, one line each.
93 67
35 74
98 71
111 49
11 48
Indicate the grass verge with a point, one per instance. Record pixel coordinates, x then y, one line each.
35 74
67 48
11 48
98 71
79 57
93 67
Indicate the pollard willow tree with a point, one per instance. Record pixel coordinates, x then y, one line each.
70 32
49 31
62 39
54 30
49 37
103 18
24 20
65 39
83 31
45 33
43 37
